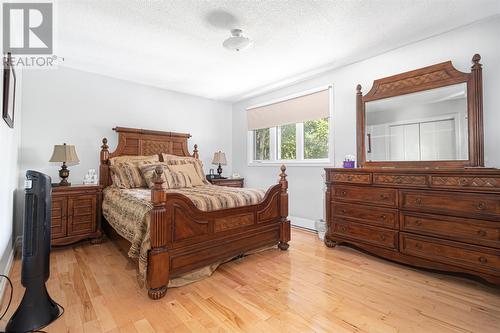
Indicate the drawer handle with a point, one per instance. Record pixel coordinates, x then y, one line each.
343 228
343 193
418 201
382 237
418 246
383 217
343 211
383 197
481 233
481 206
463 181
349 178
483 260
418 223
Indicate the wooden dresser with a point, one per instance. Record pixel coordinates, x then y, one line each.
447 220
76 214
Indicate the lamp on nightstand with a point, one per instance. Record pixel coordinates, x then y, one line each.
66 154
220 159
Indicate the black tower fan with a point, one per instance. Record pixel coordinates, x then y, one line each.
37 309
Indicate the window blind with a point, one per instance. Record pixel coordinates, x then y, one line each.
295 110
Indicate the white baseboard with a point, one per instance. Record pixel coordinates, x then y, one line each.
302 222
7 269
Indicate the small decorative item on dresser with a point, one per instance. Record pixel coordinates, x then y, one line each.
229 182
76 214
220 159
349 161
66 154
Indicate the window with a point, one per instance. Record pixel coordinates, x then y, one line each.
306 139
261 144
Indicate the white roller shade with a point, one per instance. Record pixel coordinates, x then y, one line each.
295 110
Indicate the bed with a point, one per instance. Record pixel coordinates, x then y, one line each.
185 234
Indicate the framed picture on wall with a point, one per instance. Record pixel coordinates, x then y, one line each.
9 91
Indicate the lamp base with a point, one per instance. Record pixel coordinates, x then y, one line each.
219 170
64 174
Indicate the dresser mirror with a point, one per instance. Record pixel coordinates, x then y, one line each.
430 117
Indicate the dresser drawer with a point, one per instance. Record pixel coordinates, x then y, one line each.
463 204
400 179
373 195
384 217
350 177
366 234
452 253
467 182
485 233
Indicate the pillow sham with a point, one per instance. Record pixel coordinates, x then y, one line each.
178 160
127 175
171 179
188 169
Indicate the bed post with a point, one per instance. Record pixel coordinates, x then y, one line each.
158 258
285 222
104 165
195 151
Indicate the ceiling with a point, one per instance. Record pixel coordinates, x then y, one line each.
177 44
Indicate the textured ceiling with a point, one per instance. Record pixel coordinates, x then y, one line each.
177 44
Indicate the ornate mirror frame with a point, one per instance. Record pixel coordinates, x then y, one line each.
431 77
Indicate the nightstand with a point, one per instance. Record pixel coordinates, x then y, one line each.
231 182
76 214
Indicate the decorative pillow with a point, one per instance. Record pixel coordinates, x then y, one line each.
178 160
127 175
171 179
178 179
189 170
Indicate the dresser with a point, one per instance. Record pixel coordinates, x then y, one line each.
75 214
447 220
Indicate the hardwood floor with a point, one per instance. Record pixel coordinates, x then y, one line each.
310 288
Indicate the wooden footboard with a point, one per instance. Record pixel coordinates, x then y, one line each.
184 238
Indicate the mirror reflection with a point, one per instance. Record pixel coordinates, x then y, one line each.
425 126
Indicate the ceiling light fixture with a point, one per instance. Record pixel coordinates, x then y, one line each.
237 42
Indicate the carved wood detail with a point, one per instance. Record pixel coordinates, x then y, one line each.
362 178
232 222
463 181
417 180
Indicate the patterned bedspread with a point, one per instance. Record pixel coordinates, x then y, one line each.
127 211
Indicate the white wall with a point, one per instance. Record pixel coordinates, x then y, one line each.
10 140
80 108
305 183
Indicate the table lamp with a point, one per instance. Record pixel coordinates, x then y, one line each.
220 159
66 154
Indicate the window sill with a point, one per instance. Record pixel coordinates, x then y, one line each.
292 164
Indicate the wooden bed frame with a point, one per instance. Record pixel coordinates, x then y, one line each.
184 238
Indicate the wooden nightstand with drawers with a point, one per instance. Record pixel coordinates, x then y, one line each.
230 182
75 214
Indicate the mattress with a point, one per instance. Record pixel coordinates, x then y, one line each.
127 211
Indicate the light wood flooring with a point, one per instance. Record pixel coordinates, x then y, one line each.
310 288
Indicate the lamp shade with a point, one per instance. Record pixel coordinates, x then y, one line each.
64 153
219 158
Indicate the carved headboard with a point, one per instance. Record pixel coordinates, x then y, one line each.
137 142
